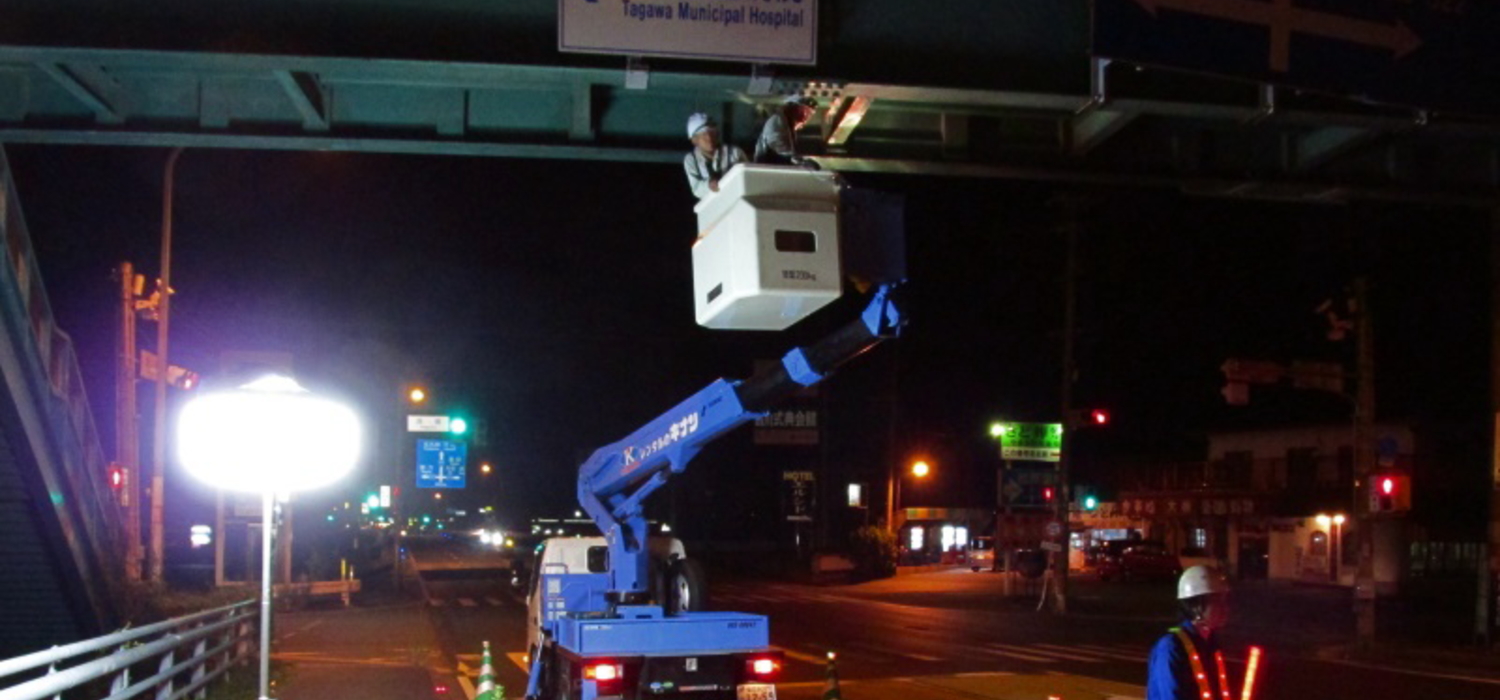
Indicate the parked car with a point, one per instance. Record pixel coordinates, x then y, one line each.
1194 556
1139 560
982 553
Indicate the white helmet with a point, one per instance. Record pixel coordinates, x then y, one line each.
1201 580
698 122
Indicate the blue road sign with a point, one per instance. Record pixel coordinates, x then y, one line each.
1429 54
440 464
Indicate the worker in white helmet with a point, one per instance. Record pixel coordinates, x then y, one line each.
1186 663
710 158
777 144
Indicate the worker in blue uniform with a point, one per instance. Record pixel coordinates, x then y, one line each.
1186 663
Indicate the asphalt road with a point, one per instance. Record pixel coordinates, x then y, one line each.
939 635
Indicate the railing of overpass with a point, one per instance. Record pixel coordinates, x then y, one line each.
42 373
174 659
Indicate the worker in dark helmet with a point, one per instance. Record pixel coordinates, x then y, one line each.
1186 663
710 158
777 144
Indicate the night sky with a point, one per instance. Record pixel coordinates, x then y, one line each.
554 300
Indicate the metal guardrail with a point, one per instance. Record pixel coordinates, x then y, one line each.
208 643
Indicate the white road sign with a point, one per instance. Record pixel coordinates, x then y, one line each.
426 424
749 31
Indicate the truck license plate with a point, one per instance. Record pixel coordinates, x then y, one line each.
755 691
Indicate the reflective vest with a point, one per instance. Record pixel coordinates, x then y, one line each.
1205 689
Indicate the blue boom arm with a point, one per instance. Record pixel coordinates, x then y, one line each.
615 481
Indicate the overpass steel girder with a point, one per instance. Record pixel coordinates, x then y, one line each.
1226 141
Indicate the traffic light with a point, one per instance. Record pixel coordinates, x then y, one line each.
458 425
1390 493
1099 416
116 477
1048 493
1090 502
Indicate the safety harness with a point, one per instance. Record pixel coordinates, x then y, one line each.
1196 660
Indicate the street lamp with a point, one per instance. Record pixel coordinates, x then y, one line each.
265 437
1335 533
919 469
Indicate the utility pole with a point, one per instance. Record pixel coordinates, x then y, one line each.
127 439
1364 462
1071 212
163 361
1488 598
892 458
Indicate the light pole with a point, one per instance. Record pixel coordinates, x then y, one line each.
998 431
163 361
269 436
919 469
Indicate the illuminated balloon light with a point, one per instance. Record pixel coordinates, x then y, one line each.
269 435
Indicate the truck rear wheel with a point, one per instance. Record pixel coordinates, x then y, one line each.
686 587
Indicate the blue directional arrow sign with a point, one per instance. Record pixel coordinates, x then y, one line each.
1433 54
440 464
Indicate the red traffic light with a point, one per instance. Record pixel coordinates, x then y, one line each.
1047 493
1387 485
1099 416
116 477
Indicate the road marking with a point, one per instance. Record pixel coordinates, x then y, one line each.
436 602
1018 655
983 674
1414 672
804 658
468 688
893 652
1068 653
519 659
492 600
468 603
1114 653
300 630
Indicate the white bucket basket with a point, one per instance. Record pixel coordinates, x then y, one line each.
767 254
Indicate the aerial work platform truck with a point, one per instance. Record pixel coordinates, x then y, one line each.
622 616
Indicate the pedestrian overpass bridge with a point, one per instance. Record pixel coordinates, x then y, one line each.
61 548
971 88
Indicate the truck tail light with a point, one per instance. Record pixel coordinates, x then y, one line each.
603 672
763 667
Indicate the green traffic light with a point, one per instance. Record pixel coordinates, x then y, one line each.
1090 503
458 426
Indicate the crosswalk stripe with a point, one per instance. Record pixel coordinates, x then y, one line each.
468 602
493 601
804 658
1019 655
1114 653
1068 652
436 602
893 652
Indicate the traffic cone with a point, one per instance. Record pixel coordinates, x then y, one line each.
487 689
831 686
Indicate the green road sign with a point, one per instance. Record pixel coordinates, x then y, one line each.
1036 442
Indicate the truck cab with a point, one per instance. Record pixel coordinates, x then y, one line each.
590 555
